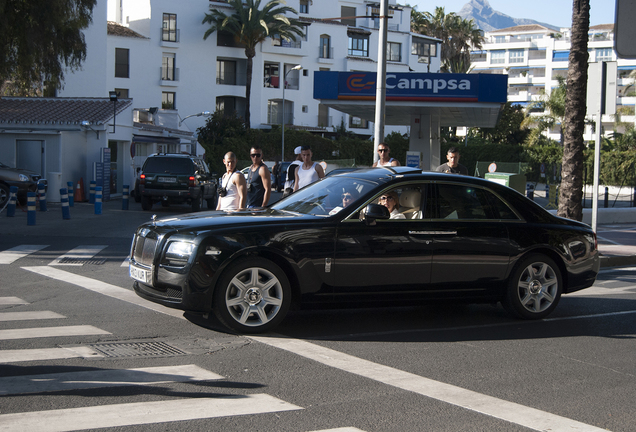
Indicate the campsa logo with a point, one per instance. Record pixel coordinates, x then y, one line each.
429 84
357 82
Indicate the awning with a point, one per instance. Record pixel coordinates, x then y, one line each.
627 67
561 55
155 139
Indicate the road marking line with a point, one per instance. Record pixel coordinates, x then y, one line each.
509 411
80 252
94 285
10 255
141 413
103 378
600 291
342 429
39 332
24 355
12 301
25 316
498 408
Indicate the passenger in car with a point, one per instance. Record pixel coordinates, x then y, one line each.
233 188
348 196
390 200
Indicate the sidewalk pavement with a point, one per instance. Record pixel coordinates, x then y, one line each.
616 242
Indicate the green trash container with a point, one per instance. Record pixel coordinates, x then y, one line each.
514 181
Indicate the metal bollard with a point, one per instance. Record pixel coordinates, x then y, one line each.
98 200
31 208
42 194
66 211
125 197
606 200
13 197
91 192
71 200
547 191
530 192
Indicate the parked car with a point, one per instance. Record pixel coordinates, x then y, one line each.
176 179
461 238
24 180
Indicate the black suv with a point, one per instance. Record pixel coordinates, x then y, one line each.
25 180
176 179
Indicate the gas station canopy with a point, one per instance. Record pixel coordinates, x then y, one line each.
471 100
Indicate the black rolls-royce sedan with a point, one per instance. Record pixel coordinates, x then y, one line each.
379 236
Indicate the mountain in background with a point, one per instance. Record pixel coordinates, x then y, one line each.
488 19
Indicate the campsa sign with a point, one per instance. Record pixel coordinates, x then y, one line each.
412 86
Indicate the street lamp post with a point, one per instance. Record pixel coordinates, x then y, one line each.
204 113
282 156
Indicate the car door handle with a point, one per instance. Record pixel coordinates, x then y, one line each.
433 232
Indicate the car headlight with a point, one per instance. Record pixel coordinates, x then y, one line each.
23 178
179 253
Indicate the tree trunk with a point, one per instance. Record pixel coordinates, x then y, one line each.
571 194
249 53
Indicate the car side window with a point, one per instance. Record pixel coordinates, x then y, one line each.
456 201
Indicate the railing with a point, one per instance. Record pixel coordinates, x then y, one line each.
276 117
325 52
170 35
169 74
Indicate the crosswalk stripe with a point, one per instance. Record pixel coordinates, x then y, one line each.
126 262
80 252
342 429
12 301
498 408
141 413
39 332
10 255
26 316
103 378
104 288
38 354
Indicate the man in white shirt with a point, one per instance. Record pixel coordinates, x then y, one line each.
309 171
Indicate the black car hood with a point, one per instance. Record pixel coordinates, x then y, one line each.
216 219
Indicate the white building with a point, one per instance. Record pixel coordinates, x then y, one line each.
153 52
533 56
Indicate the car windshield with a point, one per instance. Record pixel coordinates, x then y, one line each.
326 197
168 165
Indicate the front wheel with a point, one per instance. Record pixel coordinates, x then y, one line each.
252 296
534 289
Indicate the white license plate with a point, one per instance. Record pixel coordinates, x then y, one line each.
167 179
139 274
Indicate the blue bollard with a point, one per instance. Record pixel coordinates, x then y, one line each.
66 211
125 197
31 208
98 200
42 193
70 194
91 192
13 196
547 191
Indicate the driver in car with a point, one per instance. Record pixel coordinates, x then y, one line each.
348 196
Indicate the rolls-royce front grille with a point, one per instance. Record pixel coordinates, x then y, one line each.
144 250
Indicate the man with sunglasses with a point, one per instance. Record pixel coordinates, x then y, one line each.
259 181
385 159
348 196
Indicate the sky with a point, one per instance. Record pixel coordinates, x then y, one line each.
555 12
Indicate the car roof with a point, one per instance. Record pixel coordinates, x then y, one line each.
181 155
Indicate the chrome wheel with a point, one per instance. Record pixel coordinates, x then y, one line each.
535 288
255 296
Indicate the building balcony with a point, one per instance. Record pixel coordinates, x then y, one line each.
168 77
170 38
281 46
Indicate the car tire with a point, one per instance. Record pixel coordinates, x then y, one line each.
146 203
534 288
137 194
252 296
4 195
197 203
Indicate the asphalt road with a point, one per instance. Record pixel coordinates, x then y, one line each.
80 351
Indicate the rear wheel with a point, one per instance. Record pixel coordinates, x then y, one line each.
4 195
252 296
146 202
197 203
534 289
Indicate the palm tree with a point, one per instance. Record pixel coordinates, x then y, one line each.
250 26
458 37
571 191
554 112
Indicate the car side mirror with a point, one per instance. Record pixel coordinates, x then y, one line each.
373 212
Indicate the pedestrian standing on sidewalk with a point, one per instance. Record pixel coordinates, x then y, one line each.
291 172
232 191
259 180
453 166
309 172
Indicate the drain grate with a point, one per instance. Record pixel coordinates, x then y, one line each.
137 349
95 261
